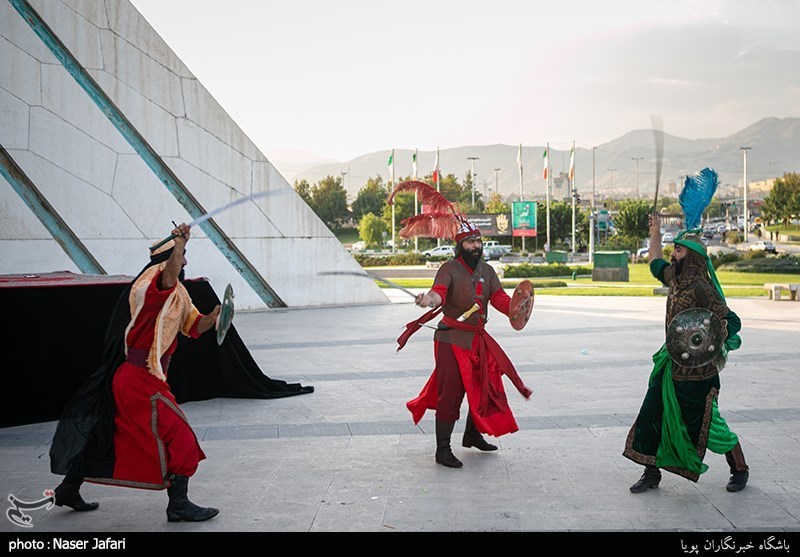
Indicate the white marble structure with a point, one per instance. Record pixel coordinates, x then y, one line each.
109 196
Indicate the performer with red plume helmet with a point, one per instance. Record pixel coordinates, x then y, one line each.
468 360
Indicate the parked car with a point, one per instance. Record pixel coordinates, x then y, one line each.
358 246
495 252
446 251
667 237
765 246
708 233
490 243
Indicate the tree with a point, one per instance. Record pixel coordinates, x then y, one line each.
783 200
403 208
371 198
303 189
632 219
329 201
371 230
496 205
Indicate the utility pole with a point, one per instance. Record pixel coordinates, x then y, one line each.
592 218
472 177
744 187
637 159
496 170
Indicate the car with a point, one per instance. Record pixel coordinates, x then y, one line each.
667 237
708 233
440 251
358 246
495 252
490 243
763 245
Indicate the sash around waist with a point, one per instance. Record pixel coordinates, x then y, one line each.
138 358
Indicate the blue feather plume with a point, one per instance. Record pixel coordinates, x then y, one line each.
696 195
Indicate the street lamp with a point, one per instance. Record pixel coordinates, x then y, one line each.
637 159
472 176
774 165
612 171
496 170
744 185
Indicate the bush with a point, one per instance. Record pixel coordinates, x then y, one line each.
366 260
526 270
733 237
783 263
536 284
722 258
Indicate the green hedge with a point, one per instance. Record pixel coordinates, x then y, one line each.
367 260
525 270
510 286
783 263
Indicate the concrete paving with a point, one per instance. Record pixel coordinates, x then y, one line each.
348 458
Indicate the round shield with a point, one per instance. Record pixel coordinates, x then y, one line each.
695 337
521 306
225 317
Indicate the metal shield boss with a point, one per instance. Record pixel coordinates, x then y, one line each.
225 317
695 337
519 311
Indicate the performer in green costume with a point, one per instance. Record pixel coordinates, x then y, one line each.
679 419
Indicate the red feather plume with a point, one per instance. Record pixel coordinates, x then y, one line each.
430 225
426 194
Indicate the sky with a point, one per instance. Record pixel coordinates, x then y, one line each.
351 77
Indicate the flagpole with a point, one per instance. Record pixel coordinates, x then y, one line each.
391 186
549 239
437 178
574 193
416 202
521 190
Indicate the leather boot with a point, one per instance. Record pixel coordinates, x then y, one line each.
740 472
68 493
180 508
473 438
444 455
649 480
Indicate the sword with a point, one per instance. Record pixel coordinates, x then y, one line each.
218 210
367 274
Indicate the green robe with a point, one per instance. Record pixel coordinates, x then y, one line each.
679 419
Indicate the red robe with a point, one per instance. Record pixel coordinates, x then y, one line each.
152 437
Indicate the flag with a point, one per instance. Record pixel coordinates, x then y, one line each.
436 176
572 163
414 164
391 167
546 164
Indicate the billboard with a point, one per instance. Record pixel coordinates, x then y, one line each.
492 224
523 218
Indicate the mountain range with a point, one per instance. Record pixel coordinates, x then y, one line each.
609 169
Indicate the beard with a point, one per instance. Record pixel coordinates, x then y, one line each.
182 275
471 258
678 264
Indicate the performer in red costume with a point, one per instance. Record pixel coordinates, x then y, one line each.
152 445
468 360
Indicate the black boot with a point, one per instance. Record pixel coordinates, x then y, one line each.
473 438
180 508
740 472
444 455
68 493
649 480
